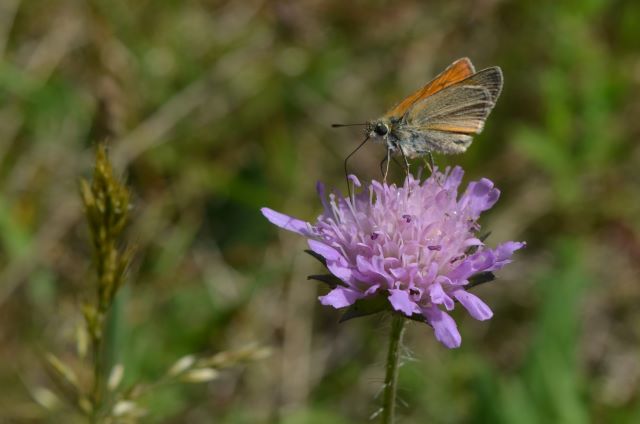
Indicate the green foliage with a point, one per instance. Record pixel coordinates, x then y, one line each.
216 108
550 377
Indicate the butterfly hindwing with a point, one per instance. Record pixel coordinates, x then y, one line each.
448 142
458 108
418 142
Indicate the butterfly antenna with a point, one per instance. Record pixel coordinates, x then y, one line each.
348 125
346 170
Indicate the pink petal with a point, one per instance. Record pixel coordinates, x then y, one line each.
505 250
341 270
444 327
479 196
476 307
439 297
327 252
472 242
400 301
340 297
287 222
453 179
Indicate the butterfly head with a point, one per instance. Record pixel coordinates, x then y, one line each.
378 129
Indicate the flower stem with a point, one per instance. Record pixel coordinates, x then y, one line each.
391 377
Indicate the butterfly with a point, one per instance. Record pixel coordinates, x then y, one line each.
441 117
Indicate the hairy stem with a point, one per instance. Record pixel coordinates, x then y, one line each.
391 377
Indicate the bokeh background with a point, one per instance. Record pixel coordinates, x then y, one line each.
217 108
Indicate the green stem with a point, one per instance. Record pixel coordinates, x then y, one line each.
391 377
114 331
96 392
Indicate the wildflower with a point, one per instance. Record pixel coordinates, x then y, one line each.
414 246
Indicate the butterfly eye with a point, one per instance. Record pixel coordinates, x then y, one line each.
381 129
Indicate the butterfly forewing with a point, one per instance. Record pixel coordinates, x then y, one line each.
490 78
456 72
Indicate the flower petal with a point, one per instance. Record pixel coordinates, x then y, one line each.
483 260
371 290
323 198
400 273
462 271
476 307
479 196
340 297
504 251
473 241
327 252
287 222
478 262
439 297
431 273
372 269
454 178
444 327
401 301
341 270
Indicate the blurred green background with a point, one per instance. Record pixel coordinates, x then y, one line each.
216 108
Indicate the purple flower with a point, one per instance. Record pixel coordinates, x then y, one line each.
415 245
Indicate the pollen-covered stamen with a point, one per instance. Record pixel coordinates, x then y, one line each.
350 205
334 207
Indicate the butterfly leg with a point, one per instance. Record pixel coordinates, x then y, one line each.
430 165
382 162
385 169
406 161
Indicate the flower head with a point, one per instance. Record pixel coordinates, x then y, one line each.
415 245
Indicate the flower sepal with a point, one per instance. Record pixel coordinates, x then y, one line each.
367 306
329 279
317 256
480 278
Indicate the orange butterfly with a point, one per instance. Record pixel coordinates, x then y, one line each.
442 116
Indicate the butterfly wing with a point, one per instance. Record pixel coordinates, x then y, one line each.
456 72
489 78
446 120
460 108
